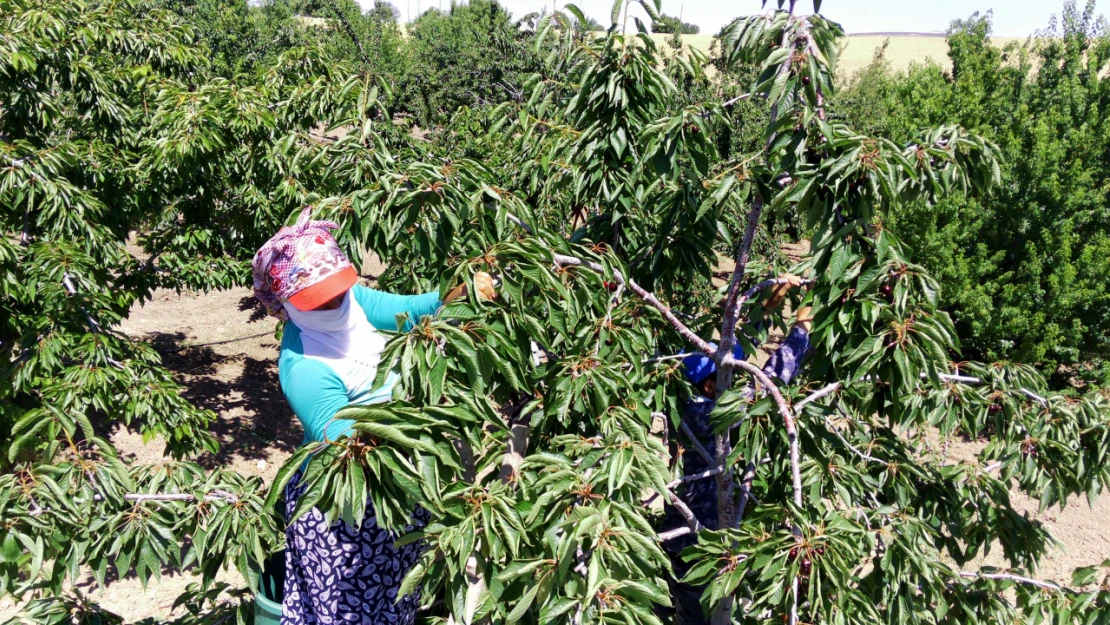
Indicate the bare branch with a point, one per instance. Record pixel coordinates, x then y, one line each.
745 493
732 304
25 237
725 500
702 451
738 98
648 297
828 390
949 377
671 357
1013 578
675 533
93 325
695 477
686 513
609 315
1035 397
519 429
854 450
516 220
216 495
967 379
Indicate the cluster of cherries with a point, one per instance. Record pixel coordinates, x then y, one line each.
806 566
807 562
1029 447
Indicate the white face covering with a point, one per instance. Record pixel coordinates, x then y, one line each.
344 340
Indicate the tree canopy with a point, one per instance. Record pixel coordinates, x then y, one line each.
1024 270
599 183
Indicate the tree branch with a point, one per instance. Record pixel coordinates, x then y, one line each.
519 430
702 451
745 493
608 315
695 477
216 495
686 513
94 327
675 533
516 220
732 298
738 98
725 499
867 457
647 361
350 32
1013 578
828 390
968 379
645 295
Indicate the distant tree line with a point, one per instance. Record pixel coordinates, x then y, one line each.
668 24
1025 272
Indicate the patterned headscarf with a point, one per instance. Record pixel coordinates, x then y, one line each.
295 258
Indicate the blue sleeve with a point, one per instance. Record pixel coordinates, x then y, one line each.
382 308
313 390
787 359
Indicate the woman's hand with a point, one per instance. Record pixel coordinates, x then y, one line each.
483 282
779 291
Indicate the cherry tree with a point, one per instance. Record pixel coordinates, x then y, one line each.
535 428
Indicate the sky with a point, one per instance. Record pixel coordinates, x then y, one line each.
1012 18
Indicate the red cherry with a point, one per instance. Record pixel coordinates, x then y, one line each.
807 565
994 408
887 289
805 80
793 553
820 551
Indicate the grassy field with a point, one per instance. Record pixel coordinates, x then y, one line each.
860 49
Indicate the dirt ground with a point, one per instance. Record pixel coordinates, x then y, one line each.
226 358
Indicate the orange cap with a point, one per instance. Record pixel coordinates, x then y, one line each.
316 295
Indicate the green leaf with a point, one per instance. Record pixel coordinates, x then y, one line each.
525 602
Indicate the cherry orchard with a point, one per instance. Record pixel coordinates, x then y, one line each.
535 428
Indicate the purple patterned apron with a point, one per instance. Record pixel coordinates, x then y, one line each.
339 574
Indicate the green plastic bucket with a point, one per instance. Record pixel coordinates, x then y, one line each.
271 585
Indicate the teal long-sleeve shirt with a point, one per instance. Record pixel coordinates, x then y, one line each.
314 390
